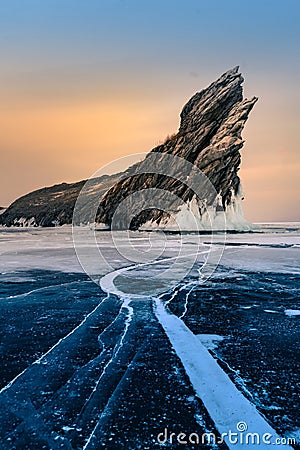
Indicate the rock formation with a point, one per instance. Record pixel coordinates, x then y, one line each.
52 206
209 137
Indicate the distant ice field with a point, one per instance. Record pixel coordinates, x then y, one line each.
272 247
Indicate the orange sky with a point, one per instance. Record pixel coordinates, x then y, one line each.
48 142
82 86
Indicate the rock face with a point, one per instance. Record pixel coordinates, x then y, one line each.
52 206
209 137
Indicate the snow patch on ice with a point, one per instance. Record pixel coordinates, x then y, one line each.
292 312
210 341
98 226
66 428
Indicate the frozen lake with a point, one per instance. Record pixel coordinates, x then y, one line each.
84 366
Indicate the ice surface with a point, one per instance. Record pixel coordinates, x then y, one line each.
37 248
224 402
274 247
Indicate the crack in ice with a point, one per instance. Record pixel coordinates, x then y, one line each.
39 360
114 355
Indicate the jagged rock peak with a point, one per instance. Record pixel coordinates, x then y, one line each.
229 84
209 136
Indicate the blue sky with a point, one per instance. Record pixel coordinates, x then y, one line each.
60 33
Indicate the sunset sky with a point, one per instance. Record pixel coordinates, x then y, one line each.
84 82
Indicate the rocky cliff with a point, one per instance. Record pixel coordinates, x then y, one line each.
209 137
53 206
